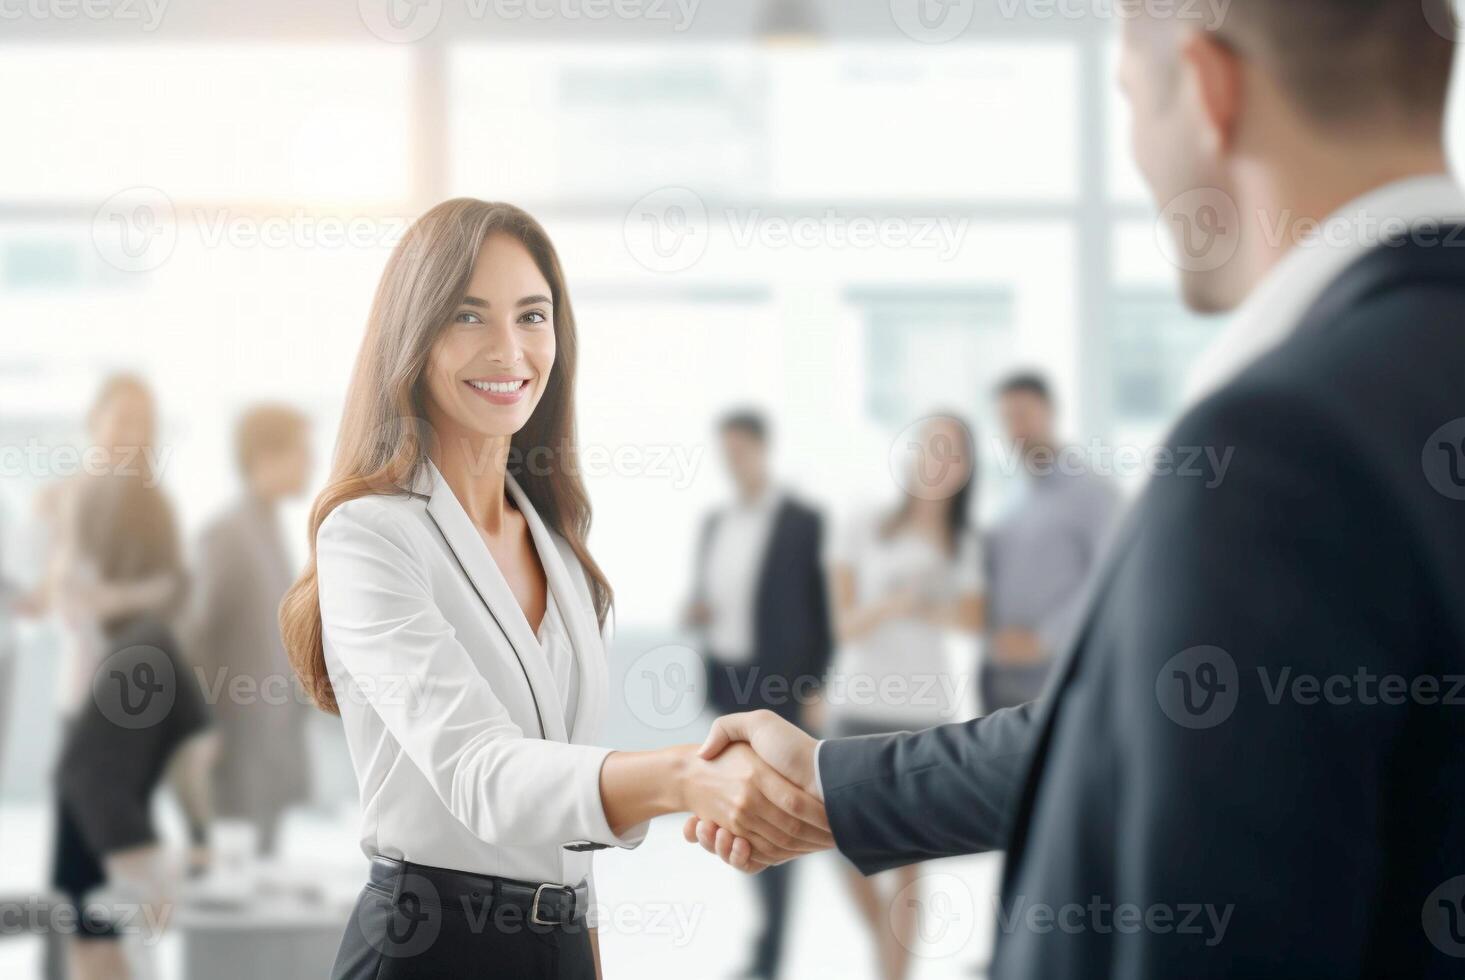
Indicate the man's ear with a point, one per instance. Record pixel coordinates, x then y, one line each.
1213 72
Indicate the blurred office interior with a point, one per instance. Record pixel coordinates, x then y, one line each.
705 171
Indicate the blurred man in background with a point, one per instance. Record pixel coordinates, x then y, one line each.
243 572
1042 550
761 603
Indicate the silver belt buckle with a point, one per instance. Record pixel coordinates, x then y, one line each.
534 909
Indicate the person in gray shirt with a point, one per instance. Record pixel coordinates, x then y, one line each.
1040 554
244 570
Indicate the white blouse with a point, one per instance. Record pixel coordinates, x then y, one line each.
473 738
554 644
901 673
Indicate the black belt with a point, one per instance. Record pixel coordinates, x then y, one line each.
545 904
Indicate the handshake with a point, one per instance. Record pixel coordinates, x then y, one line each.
757 803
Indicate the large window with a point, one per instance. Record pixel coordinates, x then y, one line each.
847 234
205 123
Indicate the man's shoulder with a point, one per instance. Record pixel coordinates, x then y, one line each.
1388 346
1345 406
1400 305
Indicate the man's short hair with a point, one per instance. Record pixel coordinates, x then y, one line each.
267 429
1026 383
746 421
1352 61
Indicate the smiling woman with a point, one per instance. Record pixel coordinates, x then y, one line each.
453 617
429 330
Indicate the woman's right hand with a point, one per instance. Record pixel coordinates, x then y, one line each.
742 794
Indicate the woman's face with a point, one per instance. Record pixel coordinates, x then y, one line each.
942 466
489 366
124 422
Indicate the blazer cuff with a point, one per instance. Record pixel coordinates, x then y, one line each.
598 826
843 764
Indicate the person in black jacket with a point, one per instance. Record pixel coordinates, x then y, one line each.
761 604
1248 764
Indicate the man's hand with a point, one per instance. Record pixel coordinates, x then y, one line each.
785 748
781 744
775 817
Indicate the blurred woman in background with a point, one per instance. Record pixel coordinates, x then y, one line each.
903 580
121 429
140 718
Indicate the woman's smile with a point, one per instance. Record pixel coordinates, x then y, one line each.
499 390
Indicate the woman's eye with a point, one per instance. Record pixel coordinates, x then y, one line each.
466 317
534 316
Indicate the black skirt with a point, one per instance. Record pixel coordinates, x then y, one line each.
144 703
401 930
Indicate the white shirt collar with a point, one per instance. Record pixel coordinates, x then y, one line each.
1276 306
764 503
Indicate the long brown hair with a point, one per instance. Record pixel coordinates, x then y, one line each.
136 459
384 441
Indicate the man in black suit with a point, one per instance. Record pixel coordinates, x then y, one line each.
1249 763
762 606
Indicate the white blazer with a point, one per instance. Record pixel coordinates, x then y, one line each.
454 725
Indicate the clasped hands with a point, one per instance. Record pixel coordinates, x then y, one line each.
776 815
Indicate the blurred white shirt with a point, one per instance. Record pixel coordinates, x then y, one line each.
734 563
900 673
559 653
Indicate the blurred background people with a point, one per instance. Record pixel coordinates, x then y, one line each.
761 606
230 282
905 578
122 429
242 573
1040 552
142 718
10 593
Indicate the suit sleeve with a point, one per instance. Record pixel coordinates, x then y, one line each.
391 651
898 799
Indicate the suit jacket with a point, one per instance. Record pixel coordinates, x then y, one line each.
243 571
792 636
1213 752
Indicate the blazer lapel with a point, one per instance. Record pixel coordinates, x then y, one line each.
776 535
478 565
578 612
